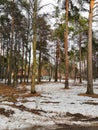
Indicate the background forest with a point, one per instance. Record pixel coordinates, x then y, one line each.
31 49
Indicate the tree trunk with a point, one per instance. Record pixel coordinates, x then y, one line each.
10 52
21 77
29 49
80 58
15 80
34 47
9 67
14 47
56 70
40 61
29 65
57 61
39 67
89 58
25 70
66 48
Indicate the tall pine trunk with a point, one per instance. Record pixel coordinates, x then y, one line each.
34 46
14 48
11 48
89 58
66 47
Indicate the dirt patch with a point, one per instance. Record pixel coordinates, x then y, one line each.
90 103
89 95
5 112
76 116
62 127
23 108
80 117
47 102
92 119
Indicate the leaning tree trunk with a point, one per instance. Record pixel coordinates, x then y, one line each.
89 58
34 47
66 48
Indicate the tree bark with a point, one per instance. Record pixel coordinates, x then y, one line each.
89 58
40 63
34 47
80 39
66 48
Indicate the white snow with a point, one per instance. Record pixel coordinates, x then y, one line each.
53 104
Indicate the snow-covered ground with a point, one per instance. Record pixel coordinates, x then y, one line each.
55 105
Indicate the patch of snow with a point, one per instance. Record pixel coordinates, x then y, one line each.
6 102
53 104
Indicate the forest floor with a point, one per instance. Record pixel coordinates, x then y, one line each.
52 107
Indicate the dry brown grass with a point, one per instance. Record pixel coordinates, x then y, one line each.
12 93
30 95
8 91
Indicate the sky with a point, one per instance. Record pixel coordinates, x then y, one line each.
49 9
48 1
